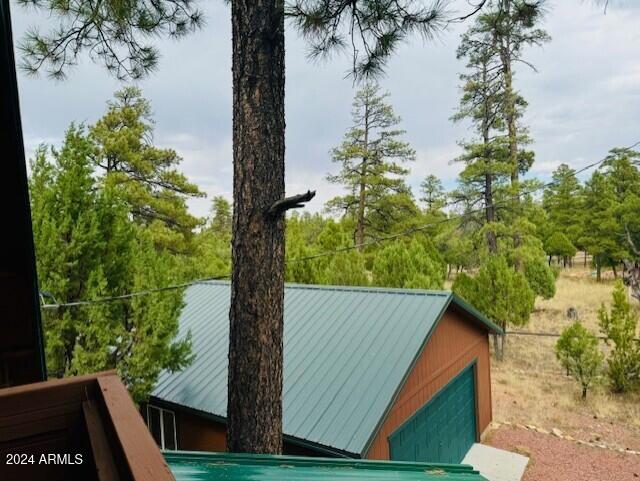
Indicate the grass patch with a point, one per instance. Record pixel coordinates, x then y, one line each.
530 386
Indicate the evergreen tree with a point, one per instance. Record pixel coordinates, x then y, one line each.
621 169
500 292
222 217
559 245
540 278
486 158
433 194
153 188
564 204
345 269
371 158
602 230
87 247
413 265
457 249
492 46
620 326
254 410
512 25
577 350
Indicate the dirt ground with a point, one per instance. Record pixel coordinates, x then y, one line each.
530 388
554 459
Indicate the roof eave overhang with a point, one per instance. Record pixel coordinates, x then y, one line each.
305 443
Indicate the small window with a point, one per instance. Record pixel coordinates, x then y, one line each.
162 424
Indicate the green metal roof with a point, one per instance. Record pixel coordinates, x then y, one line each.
347 352
188 466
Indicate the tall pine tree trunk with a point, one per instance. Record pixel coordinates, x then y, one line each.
361 209
363 183
510 116
254 411
492 242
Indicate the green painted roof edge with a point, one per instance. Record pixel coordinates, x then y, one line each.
465 306
278 460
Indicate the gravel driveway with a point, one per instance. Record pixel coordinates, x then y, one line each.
554 459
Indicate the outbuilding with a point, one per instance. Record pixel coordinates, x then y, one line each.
371 373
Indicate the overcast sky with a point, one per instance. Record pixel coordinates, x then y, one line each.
584 100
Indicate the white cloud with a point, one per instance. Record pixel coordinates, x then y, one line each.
545 167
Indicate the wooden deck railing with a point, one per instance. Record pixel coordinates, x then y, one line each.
84 428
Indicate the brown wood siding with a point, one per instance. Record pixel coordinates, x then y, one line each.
197 433
455 343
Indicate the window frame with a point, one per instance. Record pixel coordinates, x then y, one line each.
162 412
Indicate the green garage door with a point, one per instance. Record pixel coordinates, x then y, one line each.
442 430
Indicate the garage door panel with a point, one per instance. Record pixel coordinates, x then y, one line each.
442 430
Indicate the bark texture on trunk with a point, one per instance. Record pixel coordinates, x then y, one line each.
492 242
363 179
510 114
509 96
254 412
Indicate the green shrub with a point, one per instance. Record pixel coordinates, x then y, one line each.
541 277
410 265
578 352
619 326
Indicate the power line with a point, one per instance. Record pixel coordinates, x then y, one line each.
131 295
319 255
550 334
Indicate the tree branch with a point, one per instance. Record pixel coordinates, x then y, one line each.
292 202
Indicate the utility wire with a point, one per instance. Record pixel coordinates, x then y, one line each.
319 255
131 295
550 334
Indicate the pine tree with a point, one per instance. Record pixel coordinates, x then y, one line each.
493 45
371 158
620 170
563 202
486 158
222 216
374 29
512 25
602 230
433 194
153 188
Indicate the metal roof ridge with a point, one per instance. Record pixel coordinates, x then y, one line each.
329 287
